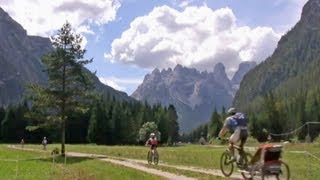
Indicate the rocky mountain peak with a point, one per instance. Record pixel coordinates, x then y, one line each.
219 68
220 75
244 67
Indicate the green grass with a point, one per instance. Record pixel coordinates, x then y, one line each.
76 168
186 172
301 166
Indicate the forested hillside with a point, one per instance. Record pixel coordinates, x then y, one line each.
283 92
108 121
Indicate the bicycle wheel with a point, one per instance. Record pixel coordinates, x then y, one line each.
156 158
149 157
283 173
226 164
256 171
244 167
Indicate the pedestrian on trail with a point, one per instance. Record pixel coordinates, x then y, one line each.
22 143
44 143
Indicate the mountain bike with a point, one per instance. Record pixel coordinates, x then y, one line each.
228 160
153 156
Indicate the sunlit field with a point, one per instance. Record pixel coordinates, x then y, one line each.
301 165
19 164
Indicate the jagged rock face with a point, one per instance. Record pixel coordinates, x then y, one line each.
20 63
19 59
194 94
244 67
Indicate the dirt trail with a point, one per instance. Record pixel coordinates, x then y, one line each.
139 165
131 164
137 162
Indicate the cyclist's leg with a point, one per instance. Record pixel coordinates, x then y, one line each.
243 137
234 138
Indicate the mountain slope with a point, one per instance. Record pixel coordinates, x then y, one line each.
293 67
19 59
20 62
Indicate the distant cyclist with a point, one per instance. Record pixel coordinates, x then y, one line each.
236 123
44 143
152 142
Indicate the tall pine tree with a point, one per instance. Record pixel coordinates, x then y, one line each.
68 85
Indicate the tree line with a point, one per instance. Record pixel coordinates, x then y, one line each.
108 121
272 114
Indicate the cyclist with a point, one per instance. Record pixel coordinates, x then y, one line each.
44 143
152 142
237 123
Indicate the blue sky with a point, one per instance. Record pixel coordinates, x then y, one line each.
129 38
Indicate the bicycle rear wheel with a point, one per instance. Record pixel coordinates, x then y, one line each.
246 160
283 173
226 164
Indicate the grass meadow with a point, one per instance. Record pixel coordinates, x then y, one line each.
301 165
37 165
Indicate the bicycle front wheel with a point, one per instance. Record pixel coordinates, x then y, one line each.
156 158
226 164
149 157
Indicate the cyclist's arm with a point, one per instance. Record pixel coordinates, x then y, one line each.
147 143
223 131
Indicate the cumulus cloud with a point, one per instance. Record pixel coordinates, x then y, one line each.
42 17
195 37
120 83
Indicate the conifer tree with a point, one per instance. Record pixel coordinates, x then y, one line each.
68 86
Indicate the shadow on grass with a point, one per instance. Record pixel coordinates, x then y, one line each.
62 160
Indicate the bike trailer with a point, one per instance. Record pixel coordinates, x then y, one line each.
268 156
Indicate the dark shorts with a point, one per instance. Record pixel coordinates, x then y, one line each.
153 146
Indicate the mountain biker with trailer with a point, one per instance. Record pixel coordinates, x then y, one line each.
237 123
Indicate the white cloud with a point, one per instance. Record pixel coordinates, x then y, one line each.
196 37
112 84
42 17
185 3
290 14
120 84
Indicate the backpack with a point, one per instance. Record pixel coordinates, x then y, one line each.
240 119
237 120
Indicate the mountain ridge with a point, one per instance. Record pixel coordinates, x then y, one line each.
20 62
194 93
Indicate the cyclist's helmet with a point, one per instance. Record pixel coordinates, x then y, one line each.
152 135
232 111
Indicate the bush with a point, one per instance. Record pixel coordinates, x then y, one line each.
55 151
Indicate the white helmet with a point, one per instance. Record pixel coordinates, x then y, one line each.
232 111
152 135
